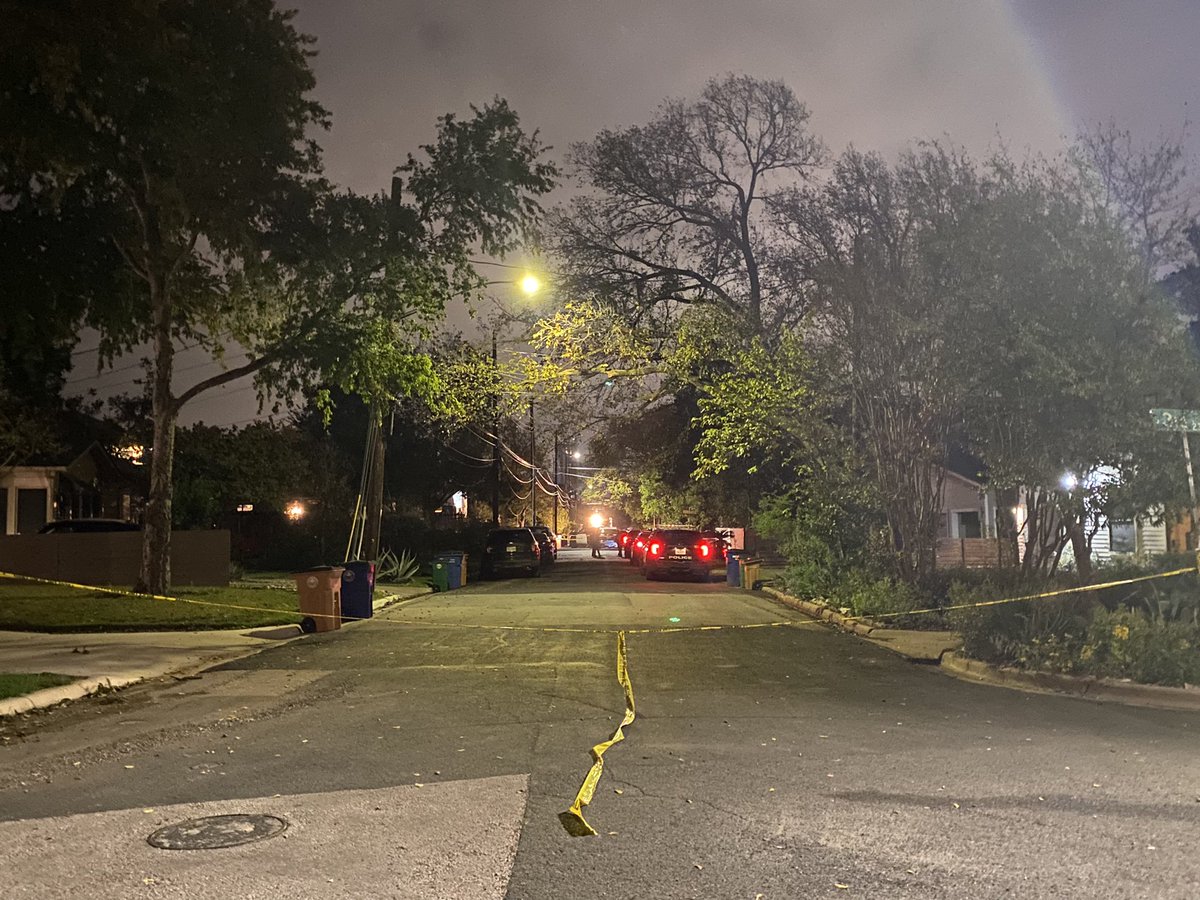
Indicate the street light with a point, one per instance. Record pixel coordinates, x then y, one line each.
529 284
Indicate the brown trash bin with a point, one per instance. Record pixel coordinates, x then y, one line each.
320 590
751 569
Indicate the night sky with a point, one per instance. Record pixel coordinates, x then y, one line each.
877 74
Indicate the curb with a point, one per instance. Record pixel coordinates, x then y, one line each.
1154 695
77 690
380 605
821 611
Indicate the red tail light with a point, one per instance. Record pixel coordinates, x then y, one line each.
624 539
640 544
705 550
655 548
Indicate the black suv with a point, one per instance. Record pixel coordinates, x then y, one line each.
671 551
511 550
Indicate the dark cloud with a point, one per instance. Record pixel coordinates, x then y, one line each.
877 73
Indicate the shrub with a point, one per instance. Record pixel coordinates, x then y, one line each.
1127 643
881 598
1078 636
1029 633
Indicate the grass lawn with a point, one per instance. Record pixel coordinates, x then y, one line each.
17 685
35 607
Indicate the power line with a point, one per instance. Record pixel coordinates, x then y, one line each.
135 380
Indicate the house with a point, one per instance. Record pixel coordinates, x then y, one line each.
95 483
969 537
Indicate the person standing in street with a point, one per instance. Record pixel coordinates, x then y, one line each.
594 541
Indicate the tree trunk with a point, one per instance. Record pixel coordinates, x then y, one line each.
1082 551
155 575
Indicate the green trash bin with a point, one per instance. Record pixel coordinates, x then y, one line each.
441 576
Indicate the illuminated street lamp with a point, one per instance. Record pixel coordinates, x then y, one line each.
295 511
596 519
529 284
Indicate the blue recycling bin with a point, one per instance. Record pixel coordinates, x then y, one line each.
358 590
733 572
455 564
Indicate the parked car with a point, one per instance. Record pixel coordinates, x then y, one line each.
87 526
547 543
637 547
719 544
624 541
608 538
673 552
511 551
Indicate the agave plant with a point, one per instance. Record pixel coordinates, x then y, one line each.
396 569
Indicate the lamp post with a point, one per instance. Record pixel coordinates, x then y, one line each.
529 285
533 485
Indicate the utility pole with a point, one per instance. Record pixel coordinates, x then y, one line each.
373 517
556 485
532 470
495 442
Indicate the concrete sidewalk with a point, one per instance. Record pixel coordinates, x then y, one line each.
105 661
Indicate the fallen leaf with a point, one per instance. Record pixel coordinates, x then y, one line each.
618 791
129 767
697 866
840 886
956 806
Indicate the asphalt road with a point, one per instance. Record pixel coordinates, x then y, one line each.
414 754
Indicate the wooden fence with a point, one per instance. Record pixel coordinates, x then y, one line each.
197 557
974 553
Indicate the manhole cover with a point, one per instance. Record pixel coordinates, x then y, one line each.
215 832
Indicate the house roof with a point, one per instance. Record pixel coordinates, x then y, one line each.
967 467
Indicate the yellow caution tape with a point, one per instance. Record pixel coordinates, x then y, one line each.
1042 596
572 819
85 587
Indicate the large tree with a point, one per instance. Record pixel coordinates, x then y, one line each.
148 101
674 214
217 208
